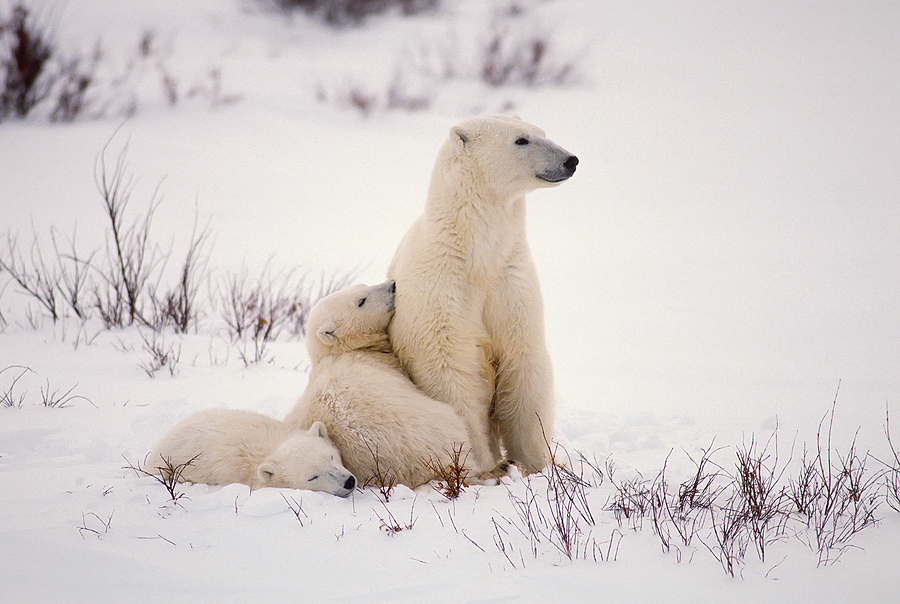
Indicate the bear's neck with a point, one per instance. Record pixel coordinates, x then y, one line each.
474 224
369 356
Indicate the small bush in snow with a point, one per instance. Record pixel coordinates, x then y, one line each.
757 478
34 70
351 12
36 76
165 473
683 512
892 474
518 52
451 478
847 496
55 400
75 79
161 356
25 55
125 283
8 397
513 48
382 478
257 311
37 277
99 526
391 525
631 501
49 398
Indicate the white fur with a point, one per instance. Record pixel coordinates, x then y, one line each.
357 389
228 446
469 325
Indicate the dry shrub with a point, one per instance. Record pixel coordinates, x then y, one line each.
391 525
9 398
167 474
892 473
757 480
519 51
451 476
384 479
26 53
342 13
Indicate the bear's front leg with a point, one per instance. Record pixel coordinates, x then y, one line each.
524 400
523 409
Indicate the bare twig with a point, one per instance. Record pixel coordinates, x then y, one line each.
7 397
161 355
132 257
56 400
296 509
391 525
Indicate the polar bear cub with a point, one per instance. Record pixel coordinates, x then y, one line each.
469 325
224 446
370 407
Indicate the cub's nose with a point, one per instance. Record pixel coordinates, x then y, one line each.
351 483
570 164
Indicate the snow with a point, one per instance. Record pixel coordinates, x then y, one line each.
723 263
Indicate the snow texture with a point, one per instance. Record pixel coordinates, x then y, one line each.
724 260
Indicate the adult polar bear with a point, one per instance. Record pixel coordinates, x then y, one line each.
469 324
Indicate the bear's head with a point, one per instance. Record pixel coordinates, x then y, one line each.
307 460
355 318
507 155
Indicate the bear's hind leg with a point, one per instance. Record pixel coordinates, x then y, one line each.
469 391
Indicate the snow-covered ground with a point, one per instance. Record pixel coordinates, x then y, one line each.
723 263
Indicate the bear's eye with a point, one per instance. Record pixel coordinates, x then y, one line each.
360 302
311 478
521 141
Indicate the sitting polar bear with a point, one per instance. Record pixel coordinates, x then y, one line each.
385 428
224 446
469 325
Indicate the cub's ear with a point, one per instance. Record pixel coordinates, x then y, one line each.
318 429
327 334
267 472
461 135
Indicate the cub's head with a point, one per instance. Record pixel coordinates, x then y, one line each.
509 156
355 318
307 460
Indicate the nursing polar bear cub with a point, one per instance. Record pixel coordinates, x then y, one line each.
469 325
369 406
224 446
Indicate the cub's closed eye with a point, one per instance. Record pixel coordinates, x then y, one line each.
311 478
360 302
521 141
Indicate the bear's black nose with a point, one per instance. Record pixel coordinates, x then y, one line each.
570 164
351 483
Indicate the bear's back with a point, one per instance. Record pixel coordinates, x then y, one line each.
218 446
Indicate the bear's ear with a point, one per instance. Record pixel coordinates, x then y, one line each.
461 135
266 472
327 334
318 429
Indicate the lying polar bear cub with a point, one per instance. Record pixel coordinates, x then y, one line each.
224 446
369 406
